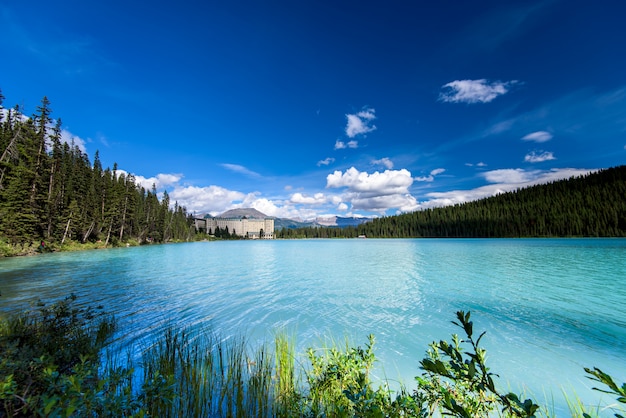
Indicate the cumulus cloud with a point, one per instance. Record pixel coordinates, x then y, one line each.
71 139
385 183
210 199
375 192
325 161
360 123
431 176
474 91
386 162
350 144
160 181
538 157
539 136
316 199
401 202
278 209
240 169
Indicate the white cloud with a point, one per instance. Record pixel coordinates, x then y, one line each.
325 161
535 157
359 123
66 136
401 202
539 136
578 116
504 180
342 207
240 169
386 183
474 91
508 175
479 164
210 199
71 139
280 210
160 181
386 162
431 176
350 144
377 192
316 199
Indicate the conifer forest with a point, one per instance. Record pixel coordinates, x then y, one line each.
593 205
50 191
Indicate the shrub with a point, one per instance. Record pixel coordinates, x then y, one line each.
47 350
51 366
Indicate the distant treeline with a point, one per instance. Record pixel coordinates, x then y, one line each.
593 205
49 190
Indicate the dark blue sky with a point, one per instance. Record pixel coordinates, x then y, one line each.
305 108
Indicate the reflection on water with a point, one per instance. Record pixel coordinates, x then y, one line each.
550 307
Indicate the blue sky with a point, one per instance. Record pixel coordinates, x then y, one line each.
309 108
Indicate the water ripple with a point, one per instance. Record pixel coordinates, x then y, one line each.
549 306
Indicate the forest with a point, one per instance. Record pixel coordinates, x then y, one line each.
51 193
593 205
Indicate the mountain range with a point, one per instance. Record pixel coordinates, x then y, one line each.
280 223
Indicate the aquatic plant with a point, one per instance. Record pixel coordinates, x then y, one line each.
53 364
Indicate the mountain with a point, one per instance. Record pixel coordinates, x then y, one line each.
340 221
280 223
249 213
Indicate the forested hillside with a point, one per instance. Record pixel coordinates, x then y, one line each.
593 205
49 190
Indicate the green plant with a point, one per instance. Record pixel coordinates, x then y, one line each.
601 377
340 385
458 382
48 350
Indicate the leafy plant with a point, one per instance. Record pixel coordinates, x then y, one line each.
457 382
47 351
601 377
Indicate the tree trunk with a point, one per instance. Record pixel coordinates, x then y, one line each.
123 218
9 151
109 233
67 227
93 224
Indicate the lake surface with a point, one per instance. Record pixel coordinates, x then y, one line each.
550 306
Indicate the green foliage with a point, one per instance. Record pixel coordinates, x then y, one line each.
459 383
601 377
51 366
51 191
339 385
48 352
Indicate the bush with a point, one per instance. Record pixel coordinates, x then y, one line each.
51 366
46 350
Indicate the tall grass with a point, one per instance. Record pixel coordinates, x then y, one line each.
50 367
201 375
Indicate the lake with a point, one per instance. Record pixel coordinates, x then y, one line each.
550 306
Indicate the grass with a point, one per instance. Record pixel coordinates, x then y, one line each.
53 364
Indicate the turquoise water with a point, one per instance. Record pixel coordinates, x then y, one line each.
550 306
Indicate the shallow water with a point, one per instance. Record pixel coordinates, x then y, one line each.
550 306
